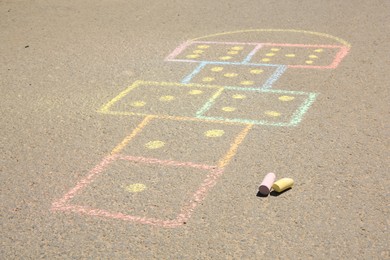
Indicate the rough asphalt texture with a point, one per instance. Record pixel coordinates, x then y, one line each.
62 60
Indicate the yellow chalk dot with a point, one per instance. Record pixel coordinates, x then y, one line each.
230 75
138 104
313 56
192 56
275 49
203 46
286 98
217 69
319 50
136 187
167 98
256 71
309 62
154 144
198 51
265 59
232 52
238 96
237 48
272 113
291 55
247 83
214 133
225 58
228 109
270 54
195 92
208 79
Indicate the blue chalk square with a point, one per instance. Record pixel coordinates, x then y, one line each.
235 76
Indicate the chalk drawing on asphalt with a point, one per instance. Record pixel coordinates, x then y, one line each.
229 91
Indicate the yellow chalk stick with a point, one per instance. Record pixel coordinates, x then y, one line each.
283 184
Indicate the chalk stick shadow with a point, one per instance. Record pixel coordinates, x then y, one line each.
277 194
261 195
272 193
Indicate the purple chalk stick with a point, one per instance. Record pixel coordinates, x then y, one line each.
266 184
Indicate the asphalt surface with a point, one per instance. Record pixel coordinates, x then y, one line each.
119 144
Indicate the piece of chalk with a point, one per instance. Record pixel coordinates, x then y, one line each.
283 184
266 184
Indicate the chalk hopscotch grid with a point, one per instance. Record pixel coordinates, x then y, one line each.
215 171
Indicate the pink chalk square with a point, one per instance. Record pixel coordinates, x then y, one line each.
300 55
143 190
201 51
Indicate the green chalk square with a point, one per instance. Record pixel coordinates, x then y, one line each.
258 107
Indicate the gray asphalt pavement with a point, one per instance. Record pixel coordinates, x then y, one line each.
143 129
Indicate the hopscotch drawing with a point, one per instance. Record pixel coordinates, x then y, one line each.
229 92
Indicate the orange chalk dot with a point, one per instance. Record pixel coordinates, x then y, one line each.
238 96
225 58
290 55
272 113
154 144
217 69
138 104
257 71
136 187
230 75
192 56
167 98
214 133
247 83
228 109
208 79
195 92
286 98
